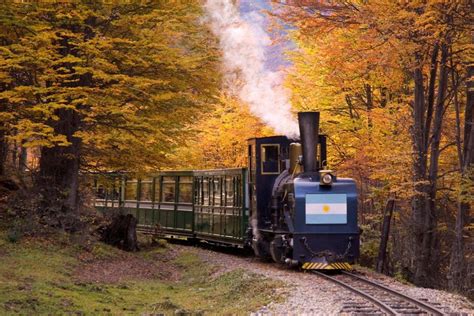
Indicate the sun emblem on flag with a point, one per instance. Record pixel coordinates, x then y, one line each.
326 208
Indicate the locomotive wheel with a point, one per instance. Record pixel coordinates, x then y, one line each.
277 250
261 248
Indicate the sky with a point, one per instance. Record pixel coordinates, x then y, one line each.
276 53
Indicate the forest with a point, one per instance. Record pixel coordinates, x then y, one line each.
140 86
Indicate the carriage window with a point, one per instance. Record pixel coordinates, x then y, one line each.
197 190
114 191
229 190
205 191
146 190
101 192
169 186
131 190
186 189
270 159
217 191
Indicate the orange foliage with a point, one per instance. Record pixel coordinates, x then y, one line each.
220 137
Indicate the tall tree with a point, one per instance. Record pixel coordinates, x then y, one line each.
102 86
459 265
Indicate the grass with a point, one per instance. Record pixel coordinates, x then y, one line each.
38 276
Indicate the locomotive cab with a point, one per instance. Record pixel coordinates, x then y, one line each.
266 161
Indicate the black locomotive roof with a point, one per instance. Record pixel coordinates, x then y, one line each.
276 138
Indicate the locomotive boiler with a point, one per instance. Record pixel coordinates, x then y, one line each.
285 205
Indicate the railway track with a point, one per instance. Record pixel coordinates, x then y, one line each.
382 300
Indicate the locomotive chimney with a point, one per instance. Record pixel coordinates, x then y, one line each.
309 131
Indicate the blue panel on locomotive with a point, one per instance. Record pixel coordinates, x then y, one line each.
332 240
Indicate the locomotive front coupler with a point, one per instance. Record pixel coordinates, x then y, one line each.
291 263
325 259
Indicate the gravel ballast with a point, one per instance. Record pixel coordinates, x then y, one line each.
308 294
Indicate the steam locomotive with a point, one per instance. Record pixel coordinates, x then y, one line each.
285 205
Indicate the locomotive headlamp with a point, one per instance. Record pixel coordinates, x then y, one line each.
326 177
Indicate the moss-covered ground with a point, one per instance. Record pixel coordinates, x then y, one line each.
51 276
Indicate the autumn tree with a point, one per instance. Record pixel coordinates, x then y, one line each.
459 266
383 71
100 86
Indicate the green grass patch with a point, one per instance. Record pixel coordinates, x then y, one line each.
38 276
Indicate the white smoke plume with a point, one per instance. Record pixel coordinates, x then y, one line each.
243 42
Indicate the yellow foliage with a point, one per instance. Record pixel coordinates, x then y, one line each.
355 65
219 140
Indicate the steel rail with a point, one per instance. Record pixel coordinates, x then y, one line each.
384 307
422 305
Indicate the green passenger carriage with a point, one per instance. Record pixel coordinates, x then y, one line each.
208 205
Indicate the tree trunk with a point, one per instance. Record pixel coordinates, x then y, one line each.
459 277
59 165
381 260
3 152
122 233
431 94
13 154
419 169
384 97
428 259
370 106
350 106
22 161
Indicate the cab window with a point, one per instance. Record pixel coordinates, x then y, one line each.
270 159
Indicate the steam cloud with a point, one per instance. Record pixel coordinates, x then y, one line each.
243 43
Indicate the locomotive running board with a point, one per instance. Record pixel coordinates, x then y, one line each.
326 266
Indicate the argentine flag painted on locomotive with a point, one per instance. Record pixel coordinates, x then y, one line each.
326 209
